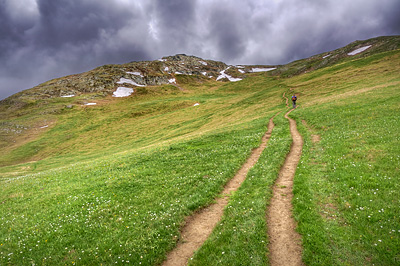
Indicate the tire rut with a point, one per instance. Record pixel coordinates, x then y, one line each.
285 243
199 226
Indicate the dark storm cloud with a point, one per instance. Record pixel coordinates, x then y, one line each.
85 32
173 25
304 28
391 20
175 14
11 31
43 39
61 37
227 34
63 22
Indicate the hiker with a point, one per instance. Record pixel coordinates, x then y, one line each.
294 99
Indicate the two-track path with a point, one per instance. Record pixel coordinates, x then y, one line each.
199 226
285 243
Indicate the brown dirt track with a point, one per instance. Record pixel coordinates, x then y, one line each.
285 243
199 226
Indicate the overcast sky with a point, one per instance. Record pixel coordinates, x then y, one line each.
45 39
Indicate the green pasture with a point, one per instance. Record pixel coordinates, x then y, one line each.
112 183
240 237
118 186
347 192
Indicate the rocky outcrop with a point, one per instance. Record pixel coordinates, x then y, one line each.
106 79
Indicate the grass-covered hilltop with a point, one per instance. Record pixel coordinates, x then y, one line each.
102 167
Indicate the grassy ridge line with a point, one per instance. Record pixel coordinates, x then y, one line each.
347 184
122 208
330 83
241 236
119 125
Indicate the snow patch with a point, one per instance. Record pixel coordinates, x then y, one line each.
241 71
196 104
162 60
203 63
135 73
68 96
204 73
129 81
46 126
224 75
177 72
328 55
166 69
359 50
172 80
90 103
122 92
262 69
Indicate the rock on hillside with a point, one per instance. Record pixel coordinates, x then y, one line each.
107 79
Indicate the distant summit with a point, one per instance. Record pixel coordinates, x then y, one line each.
123 80
126 79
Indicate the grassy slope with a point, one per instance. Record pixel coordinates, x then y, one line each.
162 115
346 187
347 184
152 170
159 158
240 238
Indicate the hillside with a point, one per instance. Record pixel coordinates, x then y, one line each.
105 80
32 112
94 174
355 50
28 114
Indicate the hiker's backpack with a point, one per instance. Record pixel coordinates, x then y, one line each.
294 98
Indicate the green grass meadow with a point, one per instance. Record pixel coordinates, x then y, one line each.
97 213
347 192
240 237
120 194
112 183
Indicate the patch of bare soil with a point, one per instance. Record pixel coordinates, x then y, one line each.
199 226
285 243
314 137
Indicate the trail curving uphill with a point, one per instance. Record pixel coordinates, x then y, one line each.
285 243
199 226
287 99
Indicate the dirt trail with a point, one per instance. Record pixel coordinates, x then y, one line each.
287 99
285 243
199 226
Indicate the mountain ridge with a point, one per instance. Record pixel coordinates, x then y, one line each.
157 87
105 80
114 181
325 59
